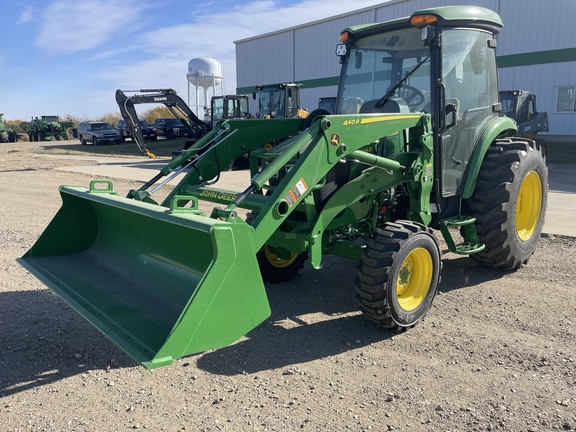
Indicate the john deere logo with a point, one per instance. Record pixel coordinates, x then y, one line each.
334 140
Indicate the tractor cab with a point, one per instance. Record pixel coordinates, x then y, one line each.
278 101
402 67
228 107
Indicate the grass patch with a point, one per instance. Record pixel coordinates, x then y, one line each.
561 152
161 148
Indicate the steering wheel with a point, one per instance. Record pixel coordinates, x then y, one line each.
411 95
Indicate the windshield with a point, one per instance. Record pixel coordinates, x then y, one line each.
376 64
271 103
101 126
217 108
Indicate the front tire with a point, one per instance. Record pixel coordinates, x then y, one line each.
509 203
398 275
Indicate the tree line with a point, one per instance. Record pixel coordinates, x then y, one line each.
150 116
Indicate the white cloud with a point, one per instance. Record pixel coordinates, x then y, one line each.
126 54
213 33
26 15
69 26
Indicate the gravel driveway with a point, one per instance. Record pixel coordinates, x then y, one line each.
497 350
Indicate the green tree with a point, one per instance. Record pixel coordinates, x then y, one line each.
158 112
112 118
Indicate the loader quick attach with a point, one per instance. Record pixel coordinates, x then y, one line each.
417 144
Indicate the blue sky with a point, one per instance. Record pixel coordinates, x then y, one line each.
64 57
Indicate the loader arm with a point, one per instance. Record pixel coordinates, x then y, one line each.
170 99
310 155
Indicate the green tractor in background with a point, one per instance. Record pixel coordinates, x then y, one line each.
50 128
7 132
417 148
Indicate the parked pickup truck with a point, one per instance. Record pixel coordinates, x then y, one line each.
149 132
170 128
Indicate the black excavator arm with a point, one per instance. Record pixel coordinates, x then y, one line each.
167 97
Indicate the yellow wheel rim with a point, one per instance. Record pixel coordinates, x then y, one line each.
414 279
276 261
529 206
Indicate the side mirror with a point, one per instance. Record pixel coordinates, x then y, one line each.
427 35
358 60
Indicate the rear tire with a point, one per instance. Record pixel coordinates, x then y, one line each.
509 203
398 275
276 269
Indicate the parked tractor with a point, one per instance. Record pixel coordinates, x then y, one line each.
228 107
279 101
427 152
49 128
7 132
520 105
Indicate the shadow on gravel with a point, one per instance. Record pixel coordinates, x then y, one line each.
460 271
314 316
43 340
288 338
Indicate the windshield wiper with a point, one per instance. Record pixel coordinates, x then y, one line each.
390 92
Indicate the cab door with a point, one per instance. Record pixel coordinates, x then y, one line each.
471 98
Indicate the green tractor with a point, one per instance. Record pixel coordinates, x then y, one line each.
7 132
49 128
427 152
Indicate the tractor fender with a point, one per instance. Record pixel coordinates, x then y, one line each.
500 127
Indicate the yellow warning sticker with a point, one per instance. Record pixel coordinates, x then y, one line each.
296 192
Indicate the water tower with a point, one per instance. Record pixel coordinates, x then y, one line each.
205 73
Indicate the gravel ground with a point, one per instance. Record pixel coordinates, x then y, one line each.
497 350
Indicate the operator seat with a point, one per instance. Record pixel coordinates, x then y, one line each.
393 105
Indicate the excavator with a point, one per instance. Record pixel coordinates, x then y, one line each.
173 102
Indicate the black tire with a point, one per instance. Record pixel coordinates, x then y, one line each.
94 141
170 135
274 268
398 275
509 203
82 140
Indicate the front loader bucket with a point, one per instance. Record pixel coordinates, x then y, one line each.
160 284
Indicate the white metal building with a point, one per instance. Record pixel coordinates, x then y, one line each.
536 52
